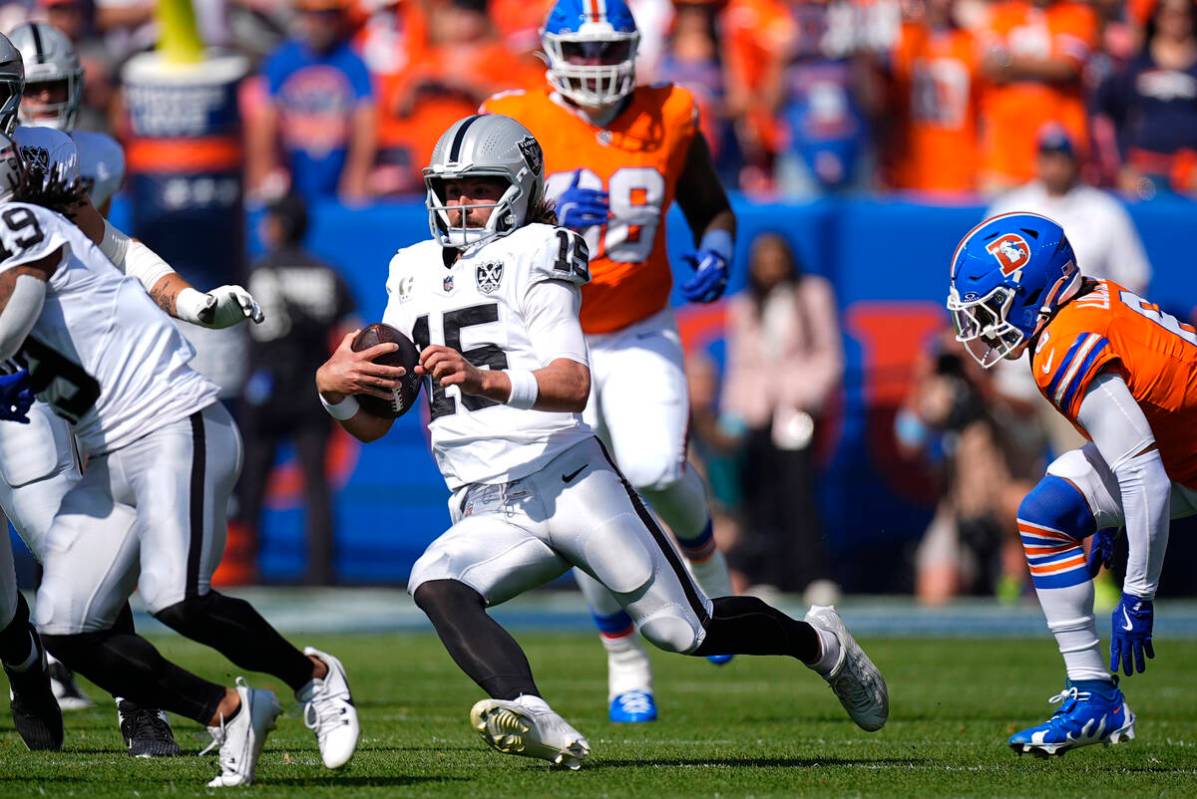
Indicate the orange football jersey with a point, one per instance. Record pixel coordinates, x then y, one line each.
1015 112
938 73
1113 328
637 160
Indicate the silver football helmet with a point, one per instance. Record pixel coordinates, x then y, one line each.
10 168
12 83
50 64
484 146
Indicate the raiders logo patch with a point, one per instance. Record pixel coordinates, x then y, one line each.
489 277
36 158
533 155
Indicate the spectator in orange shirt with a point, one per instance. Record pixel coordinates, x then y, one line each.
463 63
936 69
1035 58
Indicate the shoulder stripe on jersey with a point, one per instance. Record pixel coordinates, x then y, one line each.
1071 393
459 137
1087 341
1064 364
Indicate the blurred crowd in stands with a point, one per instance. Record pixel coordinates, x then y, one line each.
799 97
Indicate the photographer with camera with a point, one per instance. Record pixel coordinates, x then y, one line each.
976 432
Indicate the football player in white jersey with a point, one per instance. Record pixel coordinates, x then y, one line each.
492 303
52 96
161 447
32 487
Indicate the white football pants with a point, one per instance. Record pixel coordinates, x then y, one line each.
173 487
577 511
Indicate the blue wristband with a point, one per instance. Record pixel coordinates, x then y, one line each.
719 241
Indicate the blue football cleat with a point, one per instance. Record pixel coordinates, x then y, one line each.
633 707
720 660
1093 712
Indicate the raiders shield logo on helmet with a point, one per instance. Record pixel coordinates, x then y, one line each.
36 158
489 277
532 154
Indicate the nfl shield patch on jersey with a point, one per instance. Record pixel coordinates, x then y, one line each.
489 277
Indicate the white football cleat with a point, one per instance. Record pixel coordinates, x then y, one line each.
529 727
854 679
241 739
329 712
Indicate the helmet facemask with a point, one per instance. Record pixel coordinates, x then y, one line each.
62 107
983 325
12 170
448 223
592 85
11 88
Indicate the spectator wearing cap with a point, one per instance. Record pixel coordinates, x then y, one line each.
316 131
1101 231
1152 103
308 306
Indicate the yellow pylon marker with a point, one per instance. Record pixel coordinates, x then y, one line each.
180 42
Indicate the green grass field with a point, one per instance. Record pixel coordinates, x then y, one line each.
758 727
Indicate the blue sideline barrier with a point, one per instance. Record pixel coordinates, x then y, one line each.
888 262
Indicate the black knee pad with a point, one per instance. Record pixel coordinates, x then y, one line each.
440 597
72 649
192 611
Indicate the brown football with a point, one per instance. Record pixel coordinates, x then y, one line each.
406 356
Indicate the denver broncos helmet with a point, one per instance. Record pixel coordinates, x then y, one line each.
1008 275
591 47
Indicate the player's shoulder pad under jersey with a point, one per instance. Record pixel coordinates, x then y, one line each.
46 147
29 233
1073 348
501 102
549 252
406 260
101 163
677 103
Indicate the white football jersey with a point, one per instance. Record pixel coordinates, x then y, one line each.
101 164
511 303
46 148
101 354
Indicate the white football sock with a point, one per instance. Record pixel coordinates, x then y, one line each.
831 652
712 575
628 666
1069 613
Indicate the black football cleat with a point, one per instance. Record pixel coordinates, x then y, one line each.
35 711
146 731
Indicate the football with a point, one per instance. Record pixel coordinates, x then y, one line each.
406 356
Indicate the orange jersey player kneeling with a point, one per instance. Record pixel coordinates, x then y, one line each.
1124 372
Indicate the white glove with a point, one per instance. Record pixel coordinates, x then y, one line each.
220 308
